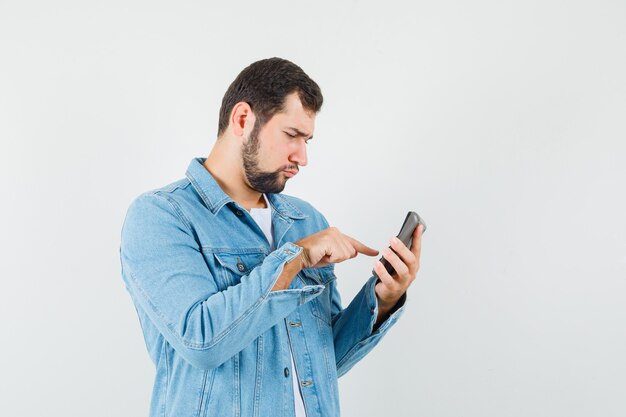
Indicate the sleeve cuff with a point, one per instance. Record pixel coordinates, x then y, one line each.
396 311
287 253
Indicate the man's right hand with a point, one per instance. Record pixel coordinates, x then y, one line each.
330 246
320 249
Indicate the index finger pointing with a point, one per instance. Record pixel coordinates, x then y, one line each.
366 250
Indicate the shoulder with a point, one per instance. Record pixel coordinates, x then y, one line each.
168 193
158 205
172 190
307 209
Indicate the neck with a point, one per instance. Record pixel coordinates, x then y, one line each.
227 171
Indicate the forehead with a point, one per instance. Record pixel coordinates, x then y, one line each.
294 115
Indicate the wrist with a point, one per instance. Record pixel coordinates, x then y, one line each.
304 257
290 270
385 304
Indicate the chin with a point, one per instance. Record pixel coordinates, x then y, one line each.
280 188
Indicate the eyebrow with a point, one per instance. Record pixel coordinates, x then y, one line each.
300 133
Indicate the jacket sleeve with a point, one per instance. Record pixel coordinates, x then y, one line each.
165 272
353 327
354 335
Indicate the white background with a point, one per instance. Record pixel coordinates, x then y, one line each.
502 123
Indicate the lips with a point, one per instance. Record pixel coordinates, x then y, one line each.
291 173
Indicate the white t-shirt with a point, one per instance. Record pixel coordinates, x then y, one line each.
263 217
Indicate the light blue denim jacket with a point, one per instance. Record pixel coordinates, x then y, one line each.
200 273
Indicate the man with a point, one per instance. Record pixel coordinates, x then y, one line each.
234 282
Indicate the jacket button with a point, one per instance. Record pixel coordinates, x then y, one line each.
286 373
239 213
241 267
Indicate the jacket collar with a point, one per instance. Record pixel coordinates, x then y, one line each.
215 198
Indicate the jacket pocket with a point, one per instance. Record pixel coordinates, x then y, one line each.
321 305
236 264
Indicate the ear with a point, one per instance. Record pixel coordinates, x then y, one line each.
241 118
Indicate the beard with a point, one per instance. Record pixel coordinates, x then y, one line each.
261 181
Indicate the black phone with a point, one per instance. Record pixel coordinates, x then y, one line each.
411 221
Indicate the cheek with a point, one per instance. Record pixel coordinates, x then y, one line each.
272 149
271 156
277 152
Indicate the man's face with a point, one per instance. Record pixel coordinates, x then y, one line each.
273 154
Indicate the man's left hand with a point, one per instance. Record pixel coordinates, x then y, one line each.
406 262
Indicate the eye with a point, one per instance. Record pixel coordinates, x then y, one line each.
290 135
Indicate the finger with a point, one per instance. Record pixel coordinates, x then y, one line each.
326 260
396 262
348 251
361 248
416 246
402 251
385 278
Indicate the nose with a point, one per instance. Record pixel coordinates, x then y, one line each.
298 156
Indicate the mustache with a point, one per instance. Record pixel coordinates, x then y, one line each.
290 168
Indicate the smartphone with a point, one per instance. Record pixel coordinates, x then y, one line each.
411 221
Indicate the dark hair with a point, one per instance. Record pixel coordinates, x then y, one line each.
264 85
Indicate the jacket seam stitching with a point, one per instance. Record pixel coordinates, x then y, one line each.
352 351
177 210
218 338
167 376
201 399
199 190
